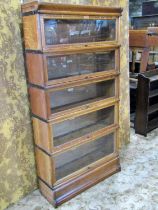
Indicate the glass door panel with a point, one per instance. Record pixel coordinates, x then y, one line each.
74 96
79 64
71 161
69 130
62 31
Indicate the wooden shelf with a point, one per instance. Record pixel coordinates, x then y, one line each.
153 124
153 108
154 78
153 93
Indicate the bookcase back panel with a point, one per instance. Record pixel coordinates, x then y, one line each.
76 159
62 31
78 64
70 97
69 130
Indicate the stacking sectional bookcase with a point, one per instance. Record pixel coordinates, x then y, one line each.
73 66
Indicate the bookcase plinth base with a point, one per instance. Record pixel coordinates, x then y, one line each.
61 193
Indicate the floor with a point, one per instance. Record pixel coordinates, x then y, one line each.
134 188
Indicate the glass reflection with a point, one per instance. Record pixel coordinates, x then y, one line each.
79 31
79 64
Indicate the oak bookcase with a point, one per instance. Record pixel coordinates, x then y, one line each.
73 65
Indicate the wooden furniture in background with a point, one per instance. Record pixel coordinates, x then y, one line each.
72 57
143 22
145 41
150 8
147 108
138 41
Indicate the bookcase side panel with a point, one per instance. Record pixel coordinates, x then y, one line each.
31 30
42 134
44 167
35 68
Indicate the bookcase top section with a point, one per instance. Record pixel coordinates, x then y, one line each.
53 8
